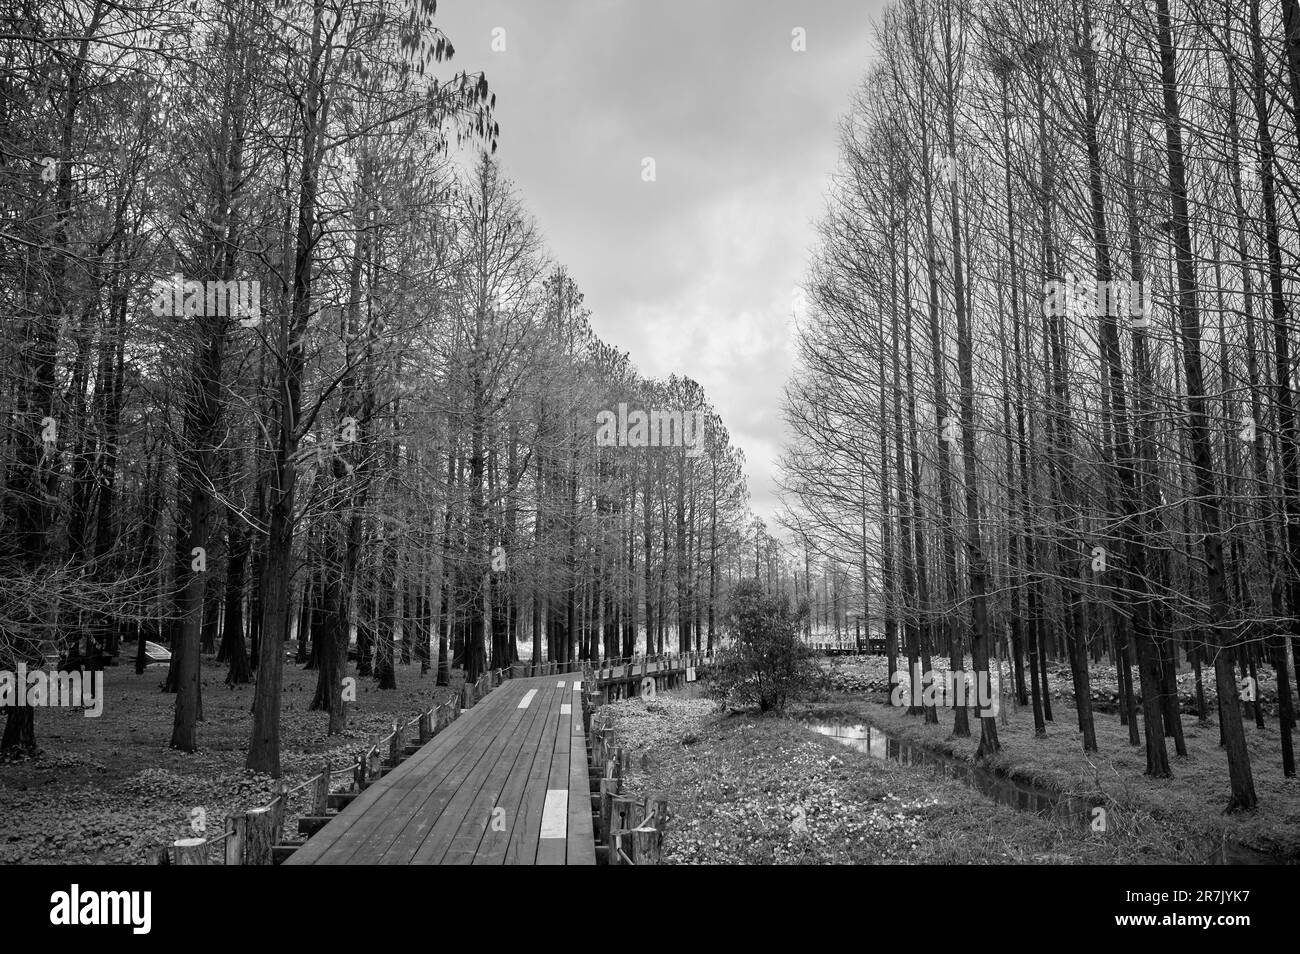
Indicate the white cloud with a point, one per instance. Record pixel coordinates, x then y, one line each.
693 274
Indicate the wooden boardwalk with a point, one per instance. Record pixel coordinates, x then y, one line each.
506 783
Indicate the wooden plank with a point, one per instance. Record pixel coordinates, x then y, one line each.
410 820
400 796
417 816
580 847
357 809
500 795
403 779
464 822
437 807
552 842
522 849
494 845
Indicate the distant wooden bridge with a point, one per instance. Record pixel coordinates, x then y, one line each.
508 782
862 646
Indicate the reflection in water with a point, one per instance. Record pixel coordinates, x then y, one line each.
872 741
866 739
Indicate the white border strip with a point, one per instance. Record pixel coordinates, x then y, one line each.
555 813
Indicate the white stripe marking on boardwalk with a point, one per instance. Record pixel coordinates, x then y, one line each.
527 699
566 709
555 813
560 684
577 685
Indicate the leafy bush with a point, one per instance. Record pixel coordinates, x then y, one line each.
765 662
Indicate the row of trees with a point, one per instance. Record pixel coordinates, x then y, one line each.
1046 393
275 360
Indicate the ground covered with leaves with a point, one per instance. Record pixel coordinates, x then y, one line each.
749 789
1186 808
108 790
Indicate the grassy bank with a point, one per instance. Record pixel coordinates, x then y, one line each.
1188 805
745 789
106 790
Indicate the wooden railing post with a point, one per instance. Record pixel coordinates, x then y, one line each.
645 846
608 790
236 838
261 835
320 796
626 812
190 851
279 808
656 806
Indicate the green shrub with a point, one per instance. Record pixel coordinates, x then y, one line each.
765 664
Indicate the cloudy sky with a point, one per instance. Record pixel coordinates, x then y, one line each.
694 272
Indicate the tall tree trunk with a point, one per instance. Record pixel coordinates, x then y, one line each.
1208 506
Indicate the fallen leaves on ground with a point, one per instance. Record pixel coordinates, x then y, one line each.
109 790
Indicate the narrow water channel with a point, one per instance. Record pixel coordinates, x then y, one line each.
878 744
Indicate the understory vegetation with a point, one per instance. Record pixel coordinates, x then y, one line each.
759 789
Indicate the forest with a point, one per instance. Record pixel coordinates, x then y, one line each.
290 378
1045 402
